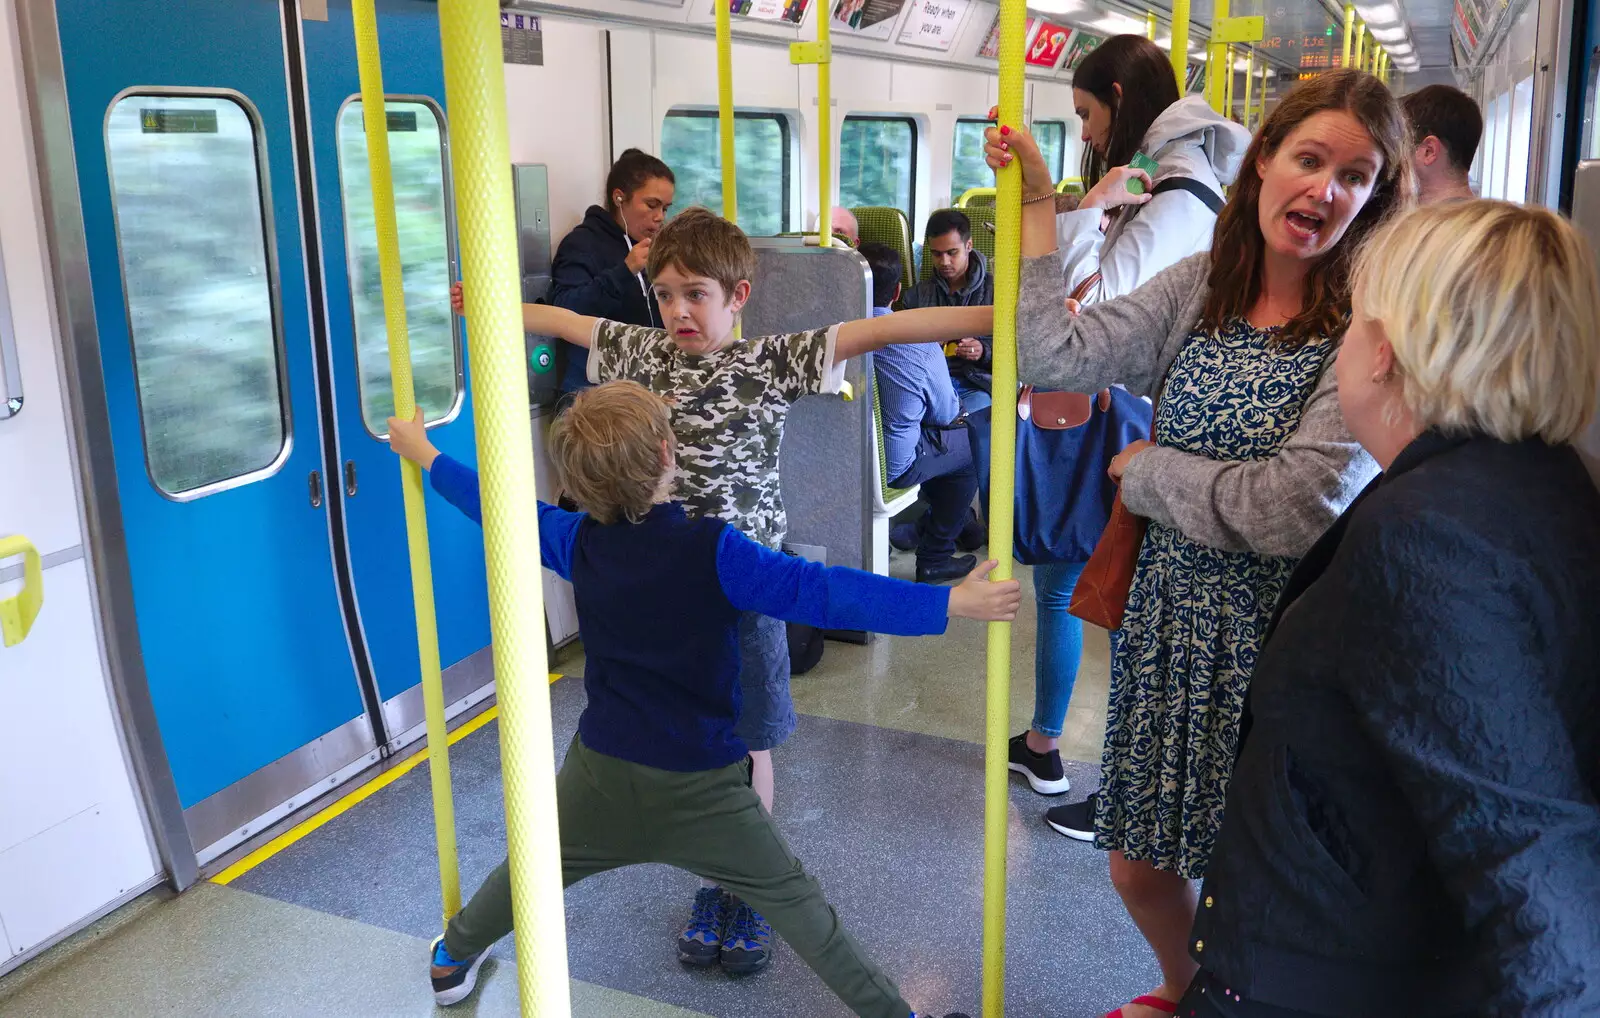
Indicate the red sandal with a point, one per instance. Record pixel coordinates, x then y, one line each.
1161 1004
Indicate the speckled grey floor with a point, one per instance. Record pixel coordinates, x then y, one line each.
889 821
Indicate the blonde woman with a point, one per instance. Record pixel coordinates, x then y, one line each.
1412 826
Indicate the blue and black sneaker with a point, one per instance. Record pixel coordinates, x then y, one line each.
453 980
747 942
700 943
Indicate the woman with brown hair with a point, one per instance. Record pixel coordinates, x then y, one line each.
1251 463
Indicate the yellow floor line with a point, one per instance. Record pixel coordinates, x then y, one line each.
387 778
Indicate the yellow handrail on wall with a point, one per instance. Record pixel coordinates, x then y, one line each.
374 112
480 156
18 612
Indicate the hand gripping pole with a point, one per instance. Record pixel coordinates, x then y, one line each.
480 155
1002 470
375 116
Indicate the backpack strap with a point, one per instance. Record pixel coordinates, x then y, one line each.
1211 199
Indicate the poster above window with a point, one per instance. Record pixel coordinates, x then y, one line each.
791 11
1048 45
990 50
933 24
867 19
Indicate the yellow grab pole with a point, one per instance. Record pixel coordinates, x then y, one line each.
480 156
1216 55
1180 44
730 188
1361 46
1002 480
1349 32
1261 111
374 113
1249 84
824 132
1227 88
1150 25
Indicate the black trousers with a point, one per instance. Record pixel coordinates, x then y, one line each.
949 481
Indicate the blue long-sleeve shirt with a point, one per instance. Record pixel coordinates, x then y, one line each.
658 608
913 387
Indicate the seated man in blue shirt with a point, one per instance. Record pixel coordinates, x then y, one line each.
657 772
924 437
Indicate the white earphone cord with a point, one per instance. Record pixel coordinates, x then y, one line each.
627 237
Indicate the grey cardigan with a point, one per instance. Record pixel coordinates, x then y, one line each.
1274 506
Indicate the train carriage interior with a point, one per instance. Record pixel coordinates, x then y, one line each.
215 792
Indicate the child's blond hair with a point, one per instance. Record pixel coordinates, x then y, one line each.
699 242
1491 310
607 450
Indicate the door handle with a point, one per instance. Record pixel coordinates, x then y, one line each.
18 613
350 478
315 483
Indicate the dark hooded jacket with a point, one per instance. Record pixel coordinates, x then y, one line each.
590 276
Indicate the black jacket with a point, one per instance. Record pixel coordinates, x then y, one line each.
1412 826
978 290
590 276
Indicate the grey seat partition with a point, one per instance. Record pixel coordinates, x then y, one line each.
825 459
1586 217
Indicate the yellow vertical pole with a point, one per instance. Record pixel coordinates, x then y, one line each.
1002 469
1361 46
1249 84
1216 85
730 183
1261 112
824 132
1227 87
480 156
374 113
1150 25
1180 44
1349 32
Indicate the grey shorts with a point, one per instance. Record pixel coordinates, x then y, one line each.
768 718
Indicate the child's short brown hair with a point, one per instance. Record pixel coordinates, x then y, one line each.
607 450
702 243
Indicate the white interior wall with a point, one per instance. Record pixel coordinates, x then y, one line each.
557 116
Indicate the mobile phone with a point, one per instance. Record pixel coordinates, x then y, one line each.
1140 161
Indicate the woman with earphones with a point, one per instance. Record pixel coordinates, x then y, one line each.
599 266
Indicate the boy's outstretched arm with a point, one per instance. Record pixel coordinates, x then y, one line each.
542 319
758 579
922 325
457 483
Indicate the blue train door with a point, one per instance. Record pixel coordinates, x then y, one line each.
182 130
413 70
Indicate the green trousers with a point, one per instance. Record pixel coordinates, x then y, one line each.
615 813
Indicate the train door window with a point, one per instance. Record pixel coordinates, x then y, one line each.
1521 140
1052 138
878 163
1500 135
967 168
422 225
691 145
193 220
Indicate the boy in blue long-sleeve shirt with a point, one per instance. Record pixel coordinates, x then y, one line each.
656 772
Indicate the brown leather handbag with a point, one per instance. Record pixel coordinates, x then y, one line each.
1101 595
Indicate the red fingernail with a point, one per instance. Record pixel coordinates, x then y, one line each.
1005 130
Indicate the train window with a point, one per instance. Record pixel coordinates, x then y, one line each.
1052 138
1521 140
193 222
422 224
967 168
691 145
878 163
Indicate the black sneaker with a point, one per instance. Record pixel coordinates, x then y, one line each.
1043 771
1075 821
956 567
453 981
747 942
700 943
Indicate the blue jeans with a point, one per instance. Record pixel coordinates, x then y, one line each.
972 398
1058 646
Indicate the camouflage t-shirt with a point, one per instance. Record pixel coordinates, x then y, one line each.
728 410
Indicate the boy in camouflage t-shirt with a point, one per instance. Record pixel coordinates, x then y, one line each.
730 398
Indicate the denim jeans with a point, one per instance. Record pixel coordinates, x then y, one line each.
1058 646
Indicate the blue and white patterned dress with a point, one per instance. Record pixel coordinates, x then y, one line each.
1196 615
